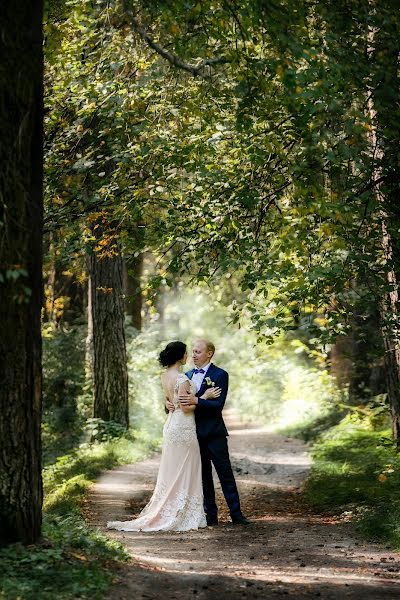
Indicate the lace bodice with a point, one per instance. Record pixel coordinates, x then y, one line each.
180 427
181 379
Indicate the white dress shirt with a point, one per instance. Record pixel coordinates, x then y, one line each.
198 377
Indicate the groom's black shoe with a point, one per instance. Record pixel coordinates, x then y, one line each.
212 521
240 520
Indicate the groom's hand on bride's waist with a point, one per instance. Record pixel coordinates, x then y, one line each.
169 405
188 399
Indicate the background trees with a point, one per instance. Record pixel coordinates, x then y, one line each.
248 146
294 171
240 141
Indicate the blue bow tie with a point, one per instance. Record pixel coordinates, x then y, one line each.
198 371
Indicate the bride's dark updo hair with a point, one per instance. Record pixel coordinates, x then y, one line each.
172 352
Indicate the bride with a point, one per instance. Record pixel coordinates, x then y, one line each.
177 501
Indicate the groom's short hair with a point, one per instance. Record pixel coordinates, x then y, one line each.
209 345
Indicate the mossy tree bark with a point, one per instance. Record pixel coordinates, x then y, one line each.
21 204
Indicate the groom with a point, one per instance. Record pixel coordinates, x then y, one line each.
211 432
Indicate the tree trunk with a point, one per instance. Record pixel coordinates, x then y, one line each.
356 358
50 295
21 205
384 49
367 370
107 321
89 359
132 286
392 372
390 334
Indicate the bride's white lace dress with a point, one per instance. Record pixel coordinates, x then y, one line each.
177 501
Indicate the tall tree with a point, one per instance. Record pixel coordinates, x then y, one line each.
106 322
21 117
384 111
133 267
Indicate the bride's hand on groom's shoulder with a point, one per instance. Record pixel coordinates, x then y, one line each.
211 393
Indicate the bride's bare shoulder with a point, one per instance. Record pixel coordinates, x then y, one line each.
169 377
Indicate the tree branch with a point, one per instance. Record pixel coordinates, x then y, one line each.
369 186
195 70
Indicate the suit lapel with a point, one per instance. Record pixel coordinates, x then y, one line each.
189 374
209 373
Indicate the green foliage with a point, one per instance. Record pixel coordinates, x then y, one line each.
313 426
272 181
62 567
68 478
63 384
262 168
356 473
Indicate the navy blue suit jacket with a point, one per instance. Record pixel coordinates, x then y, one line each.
208 413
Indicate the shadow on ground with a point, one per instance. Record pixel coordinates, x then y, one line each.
286 551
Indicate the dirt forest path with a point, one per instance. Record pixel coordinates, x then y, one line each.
286 551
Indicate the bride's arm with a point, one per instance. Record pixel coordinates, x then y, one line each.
217 403
184 388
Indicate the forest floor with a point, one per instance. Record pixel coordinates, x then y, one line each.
287 550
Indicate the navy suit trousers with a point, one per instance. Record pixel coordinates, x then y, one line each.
215 450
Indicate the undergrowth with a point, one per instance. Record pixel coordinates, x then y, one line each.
356 473
73 560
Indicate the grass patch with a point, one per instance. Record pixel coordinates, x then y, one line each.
73 560
356 471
